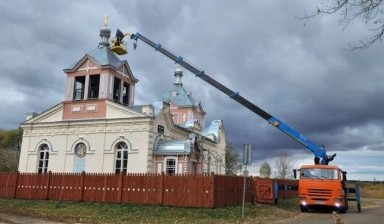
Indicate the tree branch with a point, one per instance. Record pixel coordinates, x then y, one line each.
370 11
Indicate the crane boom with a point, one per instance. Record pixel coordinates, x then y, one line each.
316 149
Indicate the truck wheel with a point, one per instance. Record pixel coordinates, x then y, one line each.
342 210
303 209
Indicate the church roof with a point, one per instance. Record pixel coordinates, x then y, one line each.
179 96
172 147
104 56
157 107
213 130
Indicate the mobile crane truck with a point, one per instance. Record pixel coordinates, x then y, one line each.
319 184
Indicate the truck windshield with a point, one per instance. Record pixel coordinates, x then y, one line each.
316 173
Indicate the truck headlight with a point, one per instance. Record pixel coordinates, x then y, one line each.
338 202
303 201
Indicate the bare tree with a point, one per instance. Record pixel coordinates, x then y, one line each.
10 141
9 160
265 170
232 160
283 165
371 12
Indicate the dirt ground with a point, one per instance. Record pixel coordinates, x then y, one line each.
21 219
372 212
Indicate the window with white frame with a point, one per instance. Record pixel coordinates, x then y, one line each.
170 165
43 158
121 162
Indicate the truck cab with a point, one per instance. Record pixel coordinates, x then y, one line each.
322 186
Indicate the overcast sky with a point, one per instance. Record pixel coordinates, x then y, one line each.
303 75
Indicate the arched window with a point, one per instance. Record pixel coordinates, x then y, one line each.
121 162
43 158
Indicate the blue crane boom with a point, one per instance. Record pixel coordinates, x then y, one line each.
317 150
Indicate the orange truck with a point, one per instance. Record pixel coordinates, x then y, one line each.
324 186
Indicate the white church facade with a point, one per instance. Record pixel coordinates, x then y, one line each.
99 129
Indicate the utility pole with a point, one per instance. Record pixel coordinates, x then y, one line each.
247 159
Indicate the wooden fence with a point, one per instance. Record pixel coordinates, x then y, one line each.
270 190
204 191
265 190
287 188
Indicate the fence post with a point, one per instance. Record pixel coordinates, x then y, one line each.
120 186
82 186
16 184
213 191
105 179
252 191
162 188
47 185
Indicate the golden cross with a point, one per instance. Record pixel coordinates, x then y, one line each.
106 20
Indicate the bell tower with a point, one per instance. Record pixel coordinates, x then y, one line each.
97 78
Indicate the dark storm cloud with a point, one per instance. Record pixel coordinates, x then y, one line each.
301 74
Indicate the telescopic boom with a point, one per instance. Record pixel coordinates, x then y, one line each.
316 149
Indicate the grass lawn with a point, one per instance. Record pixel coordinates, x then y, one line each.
86 212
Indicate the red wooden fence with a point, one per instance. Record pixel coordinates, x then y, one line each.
142 189
287 188
229 190
207 191
32 186
270 190
203 191
8 182
66 187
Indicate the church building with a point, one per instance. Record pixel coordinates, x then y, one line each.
99 129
